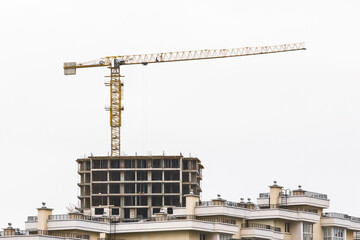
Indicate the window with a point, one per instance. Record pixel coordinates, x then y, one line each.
185 177
141 163
156 201
115 176
171 175
156 210
115 163
115 211
99 201
130 201
307 231
156 175
99 211
156 163
171 163
141 188
129 188
287 227
129 163
185 164
115 201
142 175
129 176
225 237
156 188
142 201
114 187
99 188
333 234
202 237
98 164
99 176
338 234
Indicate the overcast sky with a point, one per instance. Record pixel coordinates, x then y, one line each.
291 117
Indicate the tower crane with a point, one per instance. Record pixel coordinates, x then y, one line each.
115 62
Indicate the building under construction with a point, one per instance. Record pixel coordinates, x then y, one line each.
140 186
136 186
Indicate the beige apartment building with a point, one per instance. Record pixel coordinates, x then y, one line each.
278 214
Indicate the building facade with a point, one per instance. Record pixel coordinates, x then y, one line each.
136 186
278 214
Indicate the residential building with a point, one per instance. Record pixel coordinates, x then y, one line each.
279 214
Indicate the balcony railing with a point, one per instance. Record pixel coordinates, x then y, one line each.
111 238
226 203
78 217
283 206
46 233
341 216
260 226
264 195
66 217
17 232
297 193
312 195
32 218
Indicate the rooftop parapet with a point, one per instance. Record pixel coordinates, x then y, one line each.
76 222
341 216
68 217
333 219
260 226
67 235
298 193
285 197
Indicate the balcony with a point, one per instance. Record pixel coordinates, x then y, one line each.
41 233
332 219
286 214
260 231
295 198
154 224
264 195
261 226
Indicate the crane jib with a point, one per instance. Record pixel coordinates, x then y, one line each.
116 84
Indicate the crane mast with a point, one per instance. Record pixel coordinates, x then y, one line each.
115 83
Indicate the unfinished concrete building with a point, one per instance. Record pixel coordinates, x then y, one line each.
136 186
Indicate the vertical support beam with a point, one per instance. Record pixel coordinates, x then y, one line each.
115 110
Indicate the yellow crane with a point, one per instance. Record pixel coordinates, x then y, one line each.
115 83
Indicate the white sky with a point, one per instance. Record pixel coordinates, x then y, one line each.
290 117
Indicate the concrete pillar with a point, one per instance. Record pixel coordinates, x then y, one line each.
275 191
299 192
9 231
218 201
191 201
161 216
43 216
249 204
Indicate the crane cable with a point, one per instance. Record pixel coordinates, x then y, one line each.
144 111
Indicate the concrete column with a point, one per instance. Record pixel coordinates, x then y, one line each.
43 216
191 201
9 231
299 192
161 216
218 201
275 191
